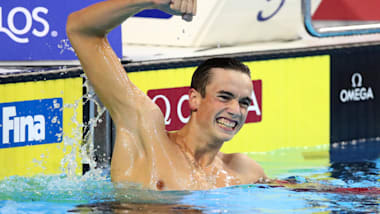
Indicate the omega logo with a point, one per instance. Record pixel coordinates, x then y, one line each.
357 92
356 80
173 103
168 110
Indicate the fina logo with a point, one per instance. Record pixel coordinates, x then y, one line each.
357 92
18 34
31 122
36 126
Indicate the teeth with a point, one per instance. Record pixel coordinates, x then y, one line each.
226 123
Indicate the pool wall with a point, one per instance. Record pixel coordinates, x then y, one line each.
283 112
323 97
41 117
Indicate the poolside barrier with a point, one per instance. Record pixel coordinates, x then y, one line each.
40 125
302 98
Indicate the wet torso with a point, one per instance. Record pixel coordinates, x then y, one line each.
166 166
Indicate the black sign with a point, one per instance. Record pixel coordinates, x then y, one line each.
355 96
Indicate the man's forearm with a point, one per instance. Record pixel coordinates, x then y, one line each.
101 18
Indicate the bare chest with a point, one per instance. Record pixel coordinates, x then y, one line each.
167 167
183 173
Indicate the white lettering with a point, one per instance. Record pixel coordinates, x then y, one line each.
370 94
8 112
16 131
39 127
363 94
167 107
343 95
357 93
29 18
9 33
351 95
255 106
26 121
34 126
35 16
356 80
179 109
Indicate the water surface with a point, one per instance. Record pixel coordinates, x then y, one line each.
309 170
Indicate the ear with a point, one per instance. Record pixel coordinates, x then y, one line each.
194 99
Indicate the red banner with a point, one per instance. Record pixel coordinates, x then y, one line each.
174 105
355 10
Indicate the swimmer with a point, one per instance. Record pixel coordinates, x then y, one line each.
144 152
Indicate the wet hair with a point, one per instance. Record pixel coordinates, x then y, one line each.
202 75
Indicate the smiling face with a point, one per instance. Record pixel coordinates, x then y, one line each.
223 110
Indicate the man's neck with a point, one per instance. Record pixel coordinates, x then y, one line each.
198 144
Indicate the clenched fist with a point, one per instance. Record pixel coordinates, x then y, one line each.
186 8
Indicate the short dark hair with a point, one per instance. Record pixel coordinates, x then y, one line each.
202 74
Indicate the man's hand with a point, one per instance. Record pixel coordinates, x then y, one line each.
186 8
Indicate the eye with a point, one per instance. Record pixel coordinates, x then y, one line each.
224 97
245 104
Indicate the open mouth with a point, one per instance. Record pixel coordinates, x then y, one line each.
226 124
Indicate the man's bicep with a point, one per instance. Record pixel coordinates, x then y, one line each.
105 72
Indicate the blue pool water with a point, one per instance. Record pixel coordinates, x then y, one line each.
94 193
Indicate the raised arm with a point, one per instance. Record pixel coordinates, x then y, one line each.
134 114
87 30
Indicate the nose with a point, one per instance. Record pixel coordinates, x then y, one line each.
234 108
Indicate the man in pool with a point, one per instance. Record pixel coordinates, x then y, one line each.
145 152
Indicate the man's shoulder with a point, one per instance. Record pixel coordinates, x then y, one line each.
246 167
239 161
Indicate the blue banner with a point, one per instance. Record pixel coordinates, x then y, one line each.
36 30
31 122
153 13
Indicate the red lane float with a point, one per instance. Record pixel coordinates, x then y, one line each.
327 189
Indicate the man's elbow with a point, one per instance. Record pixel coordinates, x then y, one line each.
76 29
72 24
76 25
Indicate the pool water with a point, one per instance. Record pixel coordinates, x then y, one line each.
310 171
